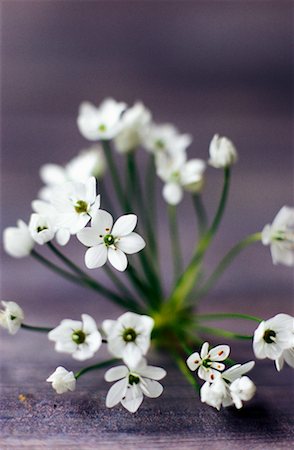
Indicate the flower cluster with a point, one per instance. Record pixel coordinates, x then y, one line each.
127 338
68 204
221 387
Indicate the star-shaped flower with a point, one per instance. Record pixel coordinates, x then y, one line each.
128 337
79 338
208 361
108 241
133 383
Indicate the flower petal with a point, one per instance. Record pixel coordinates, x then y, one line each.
172 193
151 388
102 221
133 398
96 256
62 236
130 244
152 372
116 373
118 259
116 393
89 237
124 225
194 361
219 353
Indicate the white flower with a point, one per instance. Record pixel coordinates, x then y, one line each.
132 384
17 241
89 162
62 380
222 152
108 241
288 356
179 174
280 236
273 336
47 217
208 361
231 387
41 228
242 389
134 121
165 137
128 337
11 317
79 338
75 203
103 122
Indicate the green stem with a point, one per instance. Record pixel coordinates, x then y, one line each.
67 261
226 261
115 176
174 238
98 366
117 282
126 303
39 329
103 190
224 333
189 277
186 372
214 316
200 213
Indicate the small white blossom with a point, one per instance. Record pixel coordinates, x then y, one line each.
79 338
11 317
103 122
62 380
280 236
75 203
231 387
222 152
41 228
179 174
133 123
89 162
108 241
128 337
208 361
133 383
165 137
47 215
17 241
273 336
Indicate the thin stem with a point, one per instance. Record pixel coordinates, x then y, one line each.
186 372
116 281
33 328
224 333
126 303
95 367
115 176
67 261
200 213
174 238
106 197
226 261
214 316
190 276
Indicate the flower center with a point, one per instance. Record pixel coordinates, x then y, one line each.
269 336
159 144
102 127
133 379
129 335
81 207
108 239
39 229
206 363
12 317
78 337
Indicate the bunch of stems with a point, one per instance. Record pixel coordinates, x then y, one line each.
141 289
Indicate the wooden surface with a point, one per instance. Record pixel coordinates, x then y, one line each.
176 420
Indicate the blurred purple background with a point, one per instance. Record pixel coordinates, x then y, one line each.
207 67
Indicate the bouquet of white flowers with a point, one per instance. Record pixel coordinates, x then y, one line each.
68 205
